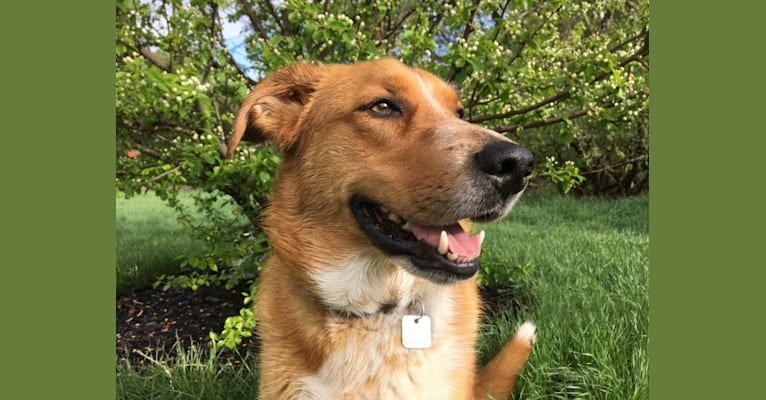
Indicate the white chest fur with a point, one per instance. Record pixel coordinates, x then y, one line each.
373 364
370 361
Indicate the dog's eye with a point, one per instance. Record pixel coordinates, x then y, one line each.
460 112
385 108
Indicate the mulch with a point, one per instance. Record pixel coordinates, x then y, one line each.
151 321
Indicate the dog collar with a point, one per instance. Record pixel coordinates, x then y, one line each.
385 308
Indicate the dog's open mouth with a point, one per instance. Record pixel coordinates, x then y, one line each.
445 251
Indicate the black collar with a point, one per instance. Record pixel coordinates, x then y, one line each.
385 308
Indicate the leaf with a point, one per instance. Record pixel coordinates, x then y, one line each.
566 135
617 77
337 25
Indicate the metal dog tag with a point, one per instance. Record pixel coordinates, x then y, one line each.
416 332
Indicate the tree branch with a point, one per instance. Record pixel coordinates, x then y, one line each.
466 34
156 59
566 93
281 22
499 18
546 122
249 11
526 40
146 150
399 23
173 128
612 166
513 58
433 24
632 39
230 57
164 174
562 95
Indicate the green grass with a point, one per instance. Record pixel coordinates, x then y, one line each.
192 375
578 268
584 282
149 240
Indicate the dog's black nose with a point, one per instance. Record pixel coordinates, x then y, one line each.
508 164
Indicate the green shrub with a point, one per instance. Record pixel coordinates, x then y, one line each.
567 79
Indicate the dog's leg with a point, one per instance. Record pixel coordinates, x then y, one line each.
497 378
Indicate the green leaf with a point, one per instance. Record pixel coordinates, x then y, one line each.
566 135
264 176
617 77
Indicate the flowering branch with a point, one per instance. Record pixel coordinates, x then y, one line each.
156 59
612 166
567 93
549 121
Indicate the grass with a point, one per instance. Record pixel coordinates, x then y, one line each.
577 268
193 375
584 282
149 240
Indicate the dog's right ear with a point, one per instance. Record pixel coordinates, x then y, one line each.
273 109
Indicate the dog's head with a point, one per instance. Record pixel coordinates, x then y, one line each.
378 153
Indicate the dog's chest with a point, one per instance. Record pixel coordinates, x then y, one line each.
367 359
373 364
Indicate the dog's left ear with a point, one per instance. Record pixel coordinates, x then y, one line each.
273 109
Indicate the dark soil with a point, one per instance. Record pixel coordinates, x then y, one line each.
150 321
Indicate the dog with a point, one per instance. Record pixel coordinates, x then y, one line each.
370 292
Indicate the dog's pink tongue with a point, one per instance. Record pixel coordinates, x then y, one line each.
460 243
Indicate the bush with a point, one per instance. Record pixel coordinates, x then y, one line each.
567 79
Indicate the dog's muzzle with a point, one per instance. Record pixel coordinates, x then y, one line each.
448 253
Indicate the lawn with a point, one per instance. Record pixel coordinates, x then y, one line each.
584 281
578 268
149 240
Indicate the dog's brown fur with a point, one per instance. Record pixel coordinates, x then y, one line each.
321 291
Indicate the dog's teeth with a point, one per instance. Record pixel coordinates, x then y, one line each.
393 217
451 256
384 209
481 237
443 243
407 226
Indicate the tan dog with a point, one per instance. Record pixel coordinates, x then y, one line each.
371 290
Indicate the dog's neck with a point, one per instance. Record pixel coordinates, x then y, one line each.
369 284
345 281
384 309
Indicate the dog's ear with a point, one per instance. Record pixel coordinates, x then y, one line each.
273 109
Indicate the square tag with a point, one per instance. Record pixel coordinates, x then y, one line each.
416 332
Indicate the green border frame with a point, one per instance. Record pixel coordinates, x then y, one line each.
58 215
707 85
57 291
